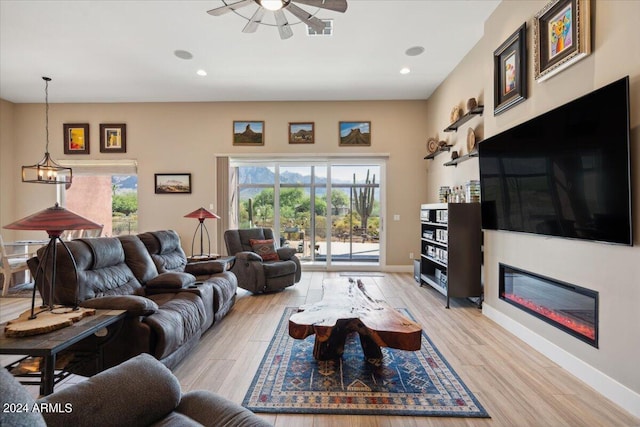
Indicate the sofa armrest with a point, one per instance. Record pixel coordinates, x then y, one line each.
201 268
248 256
286 253
139 391
213 410
171 280
134 304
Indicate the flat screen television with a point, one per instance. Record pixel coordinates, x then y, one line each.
564 173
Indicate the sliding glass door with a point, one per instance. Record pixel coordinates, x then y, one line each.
328 211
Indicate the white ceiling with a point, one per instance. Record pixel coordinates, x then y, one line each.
123 51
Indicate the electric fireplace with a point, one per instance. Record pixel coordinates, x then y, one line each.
570 308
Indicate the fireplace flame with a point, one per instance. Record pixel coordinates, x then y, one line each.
576 326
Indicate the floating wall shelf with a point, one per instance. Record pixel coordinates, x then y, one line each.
453 127
440 150
461 159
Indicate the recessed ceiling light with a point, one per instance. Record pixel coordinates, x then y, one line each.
405 70
414 51
201 73
183 54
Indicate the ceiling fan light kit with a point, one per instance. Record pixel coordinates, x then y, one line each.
277 7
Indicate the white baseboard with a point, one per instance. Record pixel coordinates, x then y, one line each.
605 385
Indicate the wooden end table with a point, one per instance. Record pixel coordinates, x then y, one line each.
346 307
49 345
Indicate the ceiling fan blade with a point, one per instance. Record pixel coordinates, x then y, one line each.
283 26
230 7
306 17
255 20
335 5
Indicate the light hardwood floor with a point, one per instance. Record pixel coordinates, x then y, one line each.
516 385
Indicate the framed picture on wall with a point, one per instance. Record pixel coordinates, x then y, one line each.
173 183
301 133
562 36
76 138
355 134
510 71
248 133
113 138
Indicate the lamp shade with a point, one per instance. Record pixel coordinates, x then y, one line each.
201 214
53 219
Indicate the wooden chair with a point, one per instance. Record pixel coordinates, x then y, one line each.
11 263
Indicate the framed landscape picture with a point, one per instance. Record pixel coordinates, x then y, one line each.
562 36
248 133
113 138
76 138
173 183
355 134
301 133
510 71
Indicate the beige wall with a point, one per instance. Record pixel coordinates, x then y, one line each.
186 137
613 271
7 171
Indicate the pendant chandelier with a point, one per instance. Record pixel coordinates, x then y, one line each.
47 171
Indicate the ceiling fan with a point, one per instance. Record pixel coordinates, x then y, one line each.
278 7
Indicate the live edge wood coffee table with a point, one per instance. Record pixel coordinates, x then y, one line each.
346 307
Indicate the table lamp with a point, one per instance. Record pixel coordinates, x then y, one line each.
54 221
201 214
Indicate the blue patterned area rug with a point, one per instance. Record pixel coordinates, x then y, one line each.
419 383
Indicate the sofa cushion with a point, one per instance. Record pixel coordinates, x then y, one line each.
265 248
178 319
135 402
171 280
137 258
165 250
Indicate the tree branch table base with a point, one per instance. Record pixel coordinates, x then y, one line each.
346 308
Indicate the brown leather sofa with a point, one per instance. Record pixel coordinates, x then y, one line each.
169 303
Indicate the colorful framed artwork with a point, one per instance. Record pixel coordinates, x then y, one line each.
248 133
355 134
301 133
510 71
76 138
562 36
173 183
113 138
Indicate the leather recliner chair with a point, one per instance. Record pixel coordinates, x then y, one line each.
253 272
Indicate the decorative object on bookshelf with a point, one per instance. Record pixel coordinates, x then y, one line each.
471 104
455 114
454 155
510 71
432 145
471 140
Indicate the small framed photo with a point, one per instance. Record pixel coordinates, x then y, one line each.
301 133
113 138
76 138
355 134
562 36
248 133
510 71
173 183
